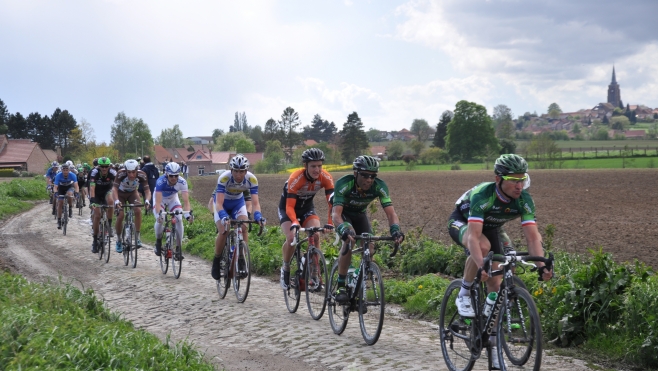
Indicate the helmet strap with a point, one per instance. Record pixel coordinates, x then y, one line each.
500 188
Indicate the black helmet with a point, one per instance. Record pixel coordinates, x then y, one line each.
510 164
312 154
365 163
95 162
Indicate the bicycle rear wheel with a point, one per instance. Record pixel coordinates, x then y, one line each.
455 332
242 272
520 332
371 305
176 255
101 239
338 314
293 293
223 283
164 257
65 217
126 243
107 245
316 279
133 246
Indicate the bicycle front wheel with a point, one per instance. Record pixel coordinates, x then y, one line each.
65 217
371 304
133 246
455 332
223 283
316 279
520 332
101 240
293 293
176 256
127 243
241 272
338 314
164 257
107 245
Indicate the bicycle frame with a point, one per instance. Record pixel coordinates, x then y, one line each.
366 259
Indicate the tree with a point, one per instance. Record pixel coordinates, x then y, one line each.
229 141
17 126
395 149
554 110
121 133
289 122
417 146
421 129
272 131
87 132
442 129
354 141
470 133
507 146
620 123
544 150
240 123
503 119
576 128
171 138
216 134
257 136
273 161
431 156
4 113
373 135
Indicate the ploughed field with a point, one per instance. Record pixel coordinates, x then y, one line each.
612 209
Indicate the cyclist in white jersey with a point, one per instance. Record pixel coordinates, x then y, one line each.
166 196
230 204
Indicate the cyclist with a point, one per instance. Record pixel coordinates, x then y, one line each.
297 201
86 169
479 215
82 184
229 201
50 178
100 193
125 190
64 185
72 167
166 195
350 200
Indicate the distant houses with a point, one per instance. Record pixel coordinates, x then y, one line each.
200 159
24 155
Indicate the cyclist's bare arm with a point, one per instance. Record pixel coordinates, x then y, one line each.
392 217
337 217
534 241
255 204
158 202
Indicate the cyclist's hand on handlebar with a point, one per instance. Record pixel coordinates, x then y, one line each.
259 218
117 204
544 273
294 226
399 237
147 205
188 216
328 227
348 234
161 216
484 276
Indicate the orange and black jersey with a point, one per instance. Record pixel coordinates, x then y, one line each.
299 190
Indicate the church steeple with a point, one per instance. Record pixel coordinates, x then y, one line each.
614 76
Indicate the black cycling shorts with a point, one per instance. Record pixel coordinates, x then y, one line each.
359 221
457 225
303 214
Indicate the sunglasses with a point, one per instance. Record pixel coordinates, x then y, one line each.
368 176
173 176
514 179
104 166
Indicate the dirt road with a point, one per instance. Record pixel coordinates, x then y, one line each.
257 335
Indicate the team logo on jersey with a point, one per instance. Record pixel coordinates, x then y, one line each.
508 210
527 208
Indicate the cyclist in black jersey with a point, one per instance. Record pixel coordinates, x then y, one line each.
479 215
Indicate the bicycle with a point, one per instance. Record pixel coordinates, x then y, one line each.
235 263
104 246
53 201
78 203
171 250
518 334
65 212
365 289
310 274
129 235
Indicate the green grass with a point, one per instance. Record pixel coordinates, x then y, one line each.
605 163
15 194
59 327
586 145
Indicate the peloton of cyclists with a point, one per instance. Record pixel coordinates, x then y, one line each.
165 195
65 184
101 181
125 190
352 195
297 202
229 203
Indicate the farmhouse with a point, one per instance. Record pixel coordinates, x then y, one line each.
22 155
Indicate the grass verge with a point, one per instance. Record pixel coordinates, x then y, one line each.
15 195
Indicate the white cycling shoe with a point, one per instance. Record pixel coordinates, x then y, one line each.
464 306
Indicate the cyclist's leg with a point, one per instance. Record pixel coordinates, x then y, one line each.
287 251
118 227
109 201
173 206
134 198
310 220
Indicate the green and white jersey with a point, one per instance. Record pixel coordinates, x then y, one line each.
354 200
485 204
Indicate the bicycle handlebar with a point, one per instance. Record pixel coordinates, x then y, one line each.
367 237
310 231
514 257
238 222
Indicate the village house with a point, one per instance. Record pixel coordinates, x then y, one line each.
22 155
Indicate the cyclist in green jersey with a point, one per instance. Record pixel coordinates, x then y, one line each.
476 223
352 195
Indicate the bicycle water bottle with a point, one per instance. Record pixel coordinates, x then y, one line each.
230 252
489 303
303 263
351 281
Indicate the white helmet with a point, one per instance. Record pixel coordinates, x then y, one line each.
172 168
239 162
70 163
131 165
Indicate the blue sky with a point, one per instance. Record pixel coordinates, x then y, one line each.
196 63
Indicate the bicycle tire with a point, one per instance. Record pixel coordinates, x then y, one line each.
79 205
176 265
242 272
292 294
223 283
316 287
108 242
127 243
338 314
164 260
65 217
455 332
133 246
100 240
371 304
521 344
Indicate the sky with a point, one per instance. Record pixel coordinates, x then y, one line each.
196 63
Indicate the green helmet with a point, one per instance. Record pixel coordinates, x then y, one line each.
365 163
104 161
510 164
86 166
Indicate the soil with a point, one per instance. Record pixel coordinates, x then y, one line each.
259 334
590 209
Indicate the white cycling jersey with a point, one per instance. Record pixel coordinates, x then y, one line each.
169 192
233 190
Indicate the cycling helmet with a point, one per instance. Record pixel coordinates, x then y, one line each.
80 169
86 166
172 168
95 162
69 163
365 163
104 161
65 166
131 165
54 164
312 154
239 162
510 164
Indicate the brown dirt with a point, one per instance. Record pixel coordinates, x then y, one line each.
611 209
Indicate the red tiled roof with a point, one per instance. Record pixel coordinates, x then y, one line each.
221 157
374 150
310 142
254 157
50 155
160 154
204 156
17 150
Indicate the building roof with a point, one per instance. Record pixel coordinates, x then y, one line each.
220 157
50 154
310 142
376 150
161 154
17 150
254 157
